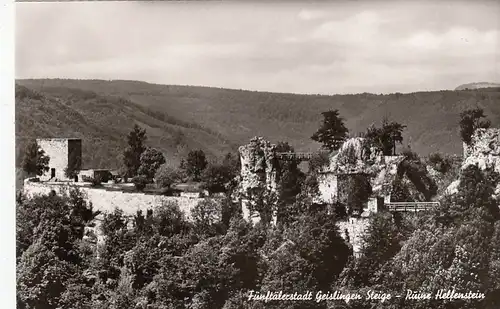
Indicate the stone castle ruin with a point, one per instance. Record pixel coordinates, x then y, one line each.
355 159
483 151
63 153
260 169
66 153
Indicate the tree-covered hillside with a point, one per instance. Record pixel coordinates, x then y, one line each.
238 115
103 123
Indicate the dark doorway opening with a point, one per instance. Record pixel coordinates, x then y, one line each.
52 172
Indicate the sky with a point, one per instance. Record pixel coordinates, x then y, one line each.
323 47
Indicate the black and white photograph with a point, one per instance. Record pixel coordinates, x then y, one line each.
253 154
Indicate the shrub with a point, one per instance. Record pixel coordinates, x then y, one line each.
195 164
140 182
207 217
151 159
440 163
166 175
318 161
35 160
216 177
96 181
385 137
470 120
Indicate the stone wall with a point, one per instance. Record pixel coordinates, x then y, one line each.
106 201
355 228
327 187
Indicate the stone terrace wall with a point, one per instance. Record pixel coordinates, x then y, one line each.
107 201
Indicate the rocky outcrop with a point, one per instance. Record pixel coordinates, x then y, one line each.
257 182
353 157
258 166
484 150
356 157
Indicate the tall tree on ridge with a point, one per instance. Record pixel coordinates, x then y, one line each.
132 155
195 164
333 131
385 137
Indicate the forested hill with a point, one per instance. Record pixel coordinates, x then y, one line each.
103 123
216 119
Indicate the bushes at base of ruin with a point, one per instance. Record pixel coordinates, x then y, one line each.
140 182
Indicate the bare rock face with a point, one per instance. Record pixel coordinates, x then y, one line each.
356 157
258 166
484 150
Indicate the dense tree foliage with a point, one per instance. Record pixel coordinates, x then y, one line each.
220 177
318 161
332 132
385 138
151 159
140 182
450 248
470 120
195 164
440 162
132 155
160 258
50 256
290 183
35 161
166 175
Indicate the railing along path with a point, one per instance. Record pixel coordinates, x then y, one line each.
294 155
411 206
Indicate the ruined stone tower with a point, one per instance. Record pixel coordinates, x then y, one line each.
63 152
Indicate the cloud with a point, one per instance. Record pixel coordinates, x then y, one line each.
314 47
307 14
358 28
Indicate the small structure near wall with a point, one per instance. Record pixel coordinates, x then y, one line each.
375 204
63 153
87 175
